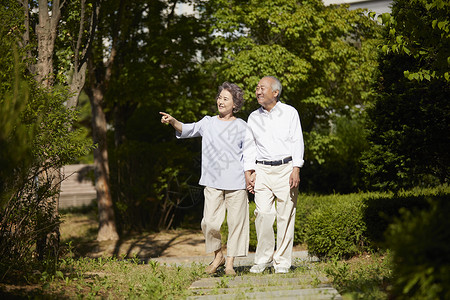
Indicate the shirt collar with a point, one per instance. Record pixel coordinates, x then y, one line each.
276 107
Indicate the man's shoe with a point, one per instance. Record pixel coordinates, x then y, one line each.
281 270
259 268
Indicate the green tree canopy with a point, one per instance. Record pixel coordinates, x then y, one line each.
323 56
409 123
420 29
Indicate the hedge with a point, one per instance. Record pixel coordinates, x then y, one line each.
345 225
420 243
413 224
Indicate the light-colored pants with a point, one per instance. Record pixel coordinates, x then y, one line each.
272 182
235 203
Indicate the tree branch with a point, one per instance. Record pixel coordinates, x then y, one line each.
92 29
56 15
26 34
171 14
80 35
115 41
43 12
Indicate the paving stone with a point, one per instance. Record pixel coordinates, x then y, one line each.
265 286
297 256
319 293
258 286
257 281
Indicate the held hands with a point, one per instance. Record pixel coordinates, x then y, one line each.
250 178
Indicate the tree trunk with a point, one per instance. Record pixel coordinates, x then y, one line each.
99 77
46 36
107 225
47 244
46 32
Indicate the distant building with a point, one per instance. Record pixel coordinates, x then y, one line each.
77 188
377 6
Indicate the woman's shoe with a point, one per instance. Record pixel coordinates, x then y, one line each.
230 272
211 269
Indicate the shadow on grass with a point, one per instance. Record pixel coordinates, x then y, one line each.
143 246
149 246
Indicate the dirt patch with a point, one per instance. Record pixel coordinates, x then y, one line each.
163 244
81 230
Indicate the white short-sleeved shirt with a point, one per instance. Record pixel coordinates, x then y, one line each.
222 151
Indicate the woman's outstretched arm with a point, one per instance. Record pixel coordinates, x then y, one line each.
168 119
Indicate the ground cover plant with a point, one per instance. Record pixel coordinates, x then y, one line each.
366 276
371 273
111 278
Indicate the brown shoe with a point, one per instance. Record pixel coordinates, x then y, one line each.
211 269
230 272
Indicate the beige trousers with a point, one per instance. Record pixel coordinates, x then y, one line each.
235 204
272 182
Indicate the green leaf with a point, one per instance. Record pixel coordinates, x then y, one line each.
406 50
385 18
433 24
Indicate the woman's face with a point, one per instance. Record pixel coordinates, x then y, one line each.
225 103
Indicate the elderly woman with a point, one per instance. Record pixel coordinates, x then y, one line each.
222 175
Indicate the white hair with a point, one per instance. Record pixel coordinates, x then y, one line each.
276 86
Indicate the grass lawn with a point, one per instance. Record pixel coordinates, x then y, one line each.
121 277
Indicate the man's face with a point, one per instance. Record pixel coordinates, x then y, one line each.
264 94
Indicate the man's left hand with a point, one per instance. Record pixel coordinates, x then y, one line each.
294 179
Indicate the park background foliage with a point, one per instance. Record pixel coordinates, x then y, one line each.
35 137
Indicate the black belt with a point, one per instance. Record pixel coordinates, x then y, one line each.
275 162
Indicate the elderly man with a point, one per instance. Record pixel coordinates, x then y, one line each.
273 155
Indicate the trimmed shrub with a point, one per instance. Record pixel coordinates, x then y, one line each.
306 204
337 228
382 209
252 218
345 225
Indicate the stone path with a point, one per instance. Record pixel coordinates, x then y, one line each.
267 286
307 285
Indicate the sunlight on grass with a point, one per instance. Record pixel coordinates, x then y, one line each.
363 277
114 278
121 277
